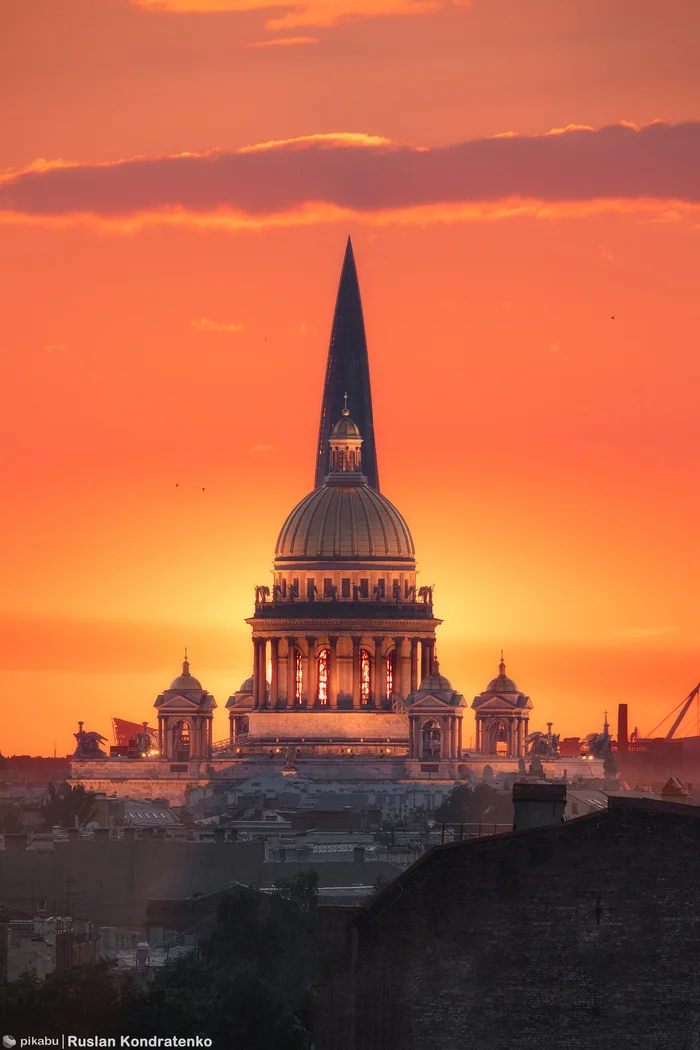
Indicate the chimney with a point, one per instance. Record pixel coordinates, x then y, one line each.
537 805
622 738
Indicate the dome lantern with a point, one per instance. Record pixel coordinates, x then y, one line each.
345 448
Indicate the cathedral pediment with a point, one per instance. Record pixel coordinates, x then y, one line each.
431 702
180 702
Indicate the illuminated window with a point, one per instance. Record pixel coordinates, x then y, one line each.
365 682
299 678
322 665
390 660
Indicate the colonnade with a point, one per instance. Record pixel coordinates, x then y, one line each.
200 733
405 669
450 735
516 731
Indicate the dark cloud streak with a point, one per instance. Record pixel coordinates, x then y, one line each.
658 161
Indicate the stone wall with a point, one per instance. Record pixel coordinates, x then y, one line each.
580 935
372 726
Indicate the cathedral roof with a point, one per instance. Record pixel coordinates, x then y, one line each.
342 521
345 427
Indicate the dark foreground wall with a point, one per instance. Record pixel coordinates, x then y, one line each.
577 936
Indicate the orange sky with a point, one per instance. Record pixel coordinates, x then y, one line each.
167 323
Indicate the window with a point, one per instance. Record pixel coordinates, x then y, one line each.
296 588
299 683
41 904
284 588
345 588
390 661
177 767
432 740
381 588
365 682
364 588
322 669
181 741
327 587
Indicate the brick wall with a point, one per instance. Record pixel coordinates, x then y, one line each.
581 935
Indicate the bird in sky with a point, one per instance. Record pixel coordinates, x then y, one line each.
612 318
202 489
177 484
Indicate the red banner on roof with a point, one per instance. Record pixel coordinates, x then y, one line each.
124 731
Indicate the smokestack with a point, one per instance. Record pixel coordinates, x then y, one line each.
622 739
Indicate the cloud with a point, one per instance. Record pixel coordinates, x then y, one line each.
325 178
205 325
304 12
284 41
261 448
647 632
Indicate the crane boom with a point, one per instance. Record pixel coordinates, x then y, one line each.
686 704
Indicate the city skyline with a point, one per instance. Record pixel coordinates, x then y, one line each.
531 349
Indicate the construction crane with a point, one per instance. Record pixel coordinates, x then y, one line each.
686 704
684 707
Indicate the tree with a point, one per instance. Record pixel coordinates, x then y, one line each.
62 809
476 805
11 822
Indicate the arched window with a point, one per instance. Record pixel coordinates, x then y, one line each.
322 676
365 679
298 677
432 740
390 662
181 741
502 739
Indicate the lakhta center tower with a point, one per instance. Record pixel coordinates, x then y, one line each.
344 633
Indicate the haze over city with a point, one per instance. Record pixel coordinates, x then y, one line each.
520 185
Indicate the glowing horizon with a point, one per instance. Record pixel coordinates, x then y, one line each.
532 333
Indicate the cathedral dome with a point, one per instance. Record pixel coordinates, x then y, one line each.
436 683
345 521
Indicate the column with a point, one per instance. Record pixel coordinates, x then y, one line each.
256 672
232 727
291 672
356 674
398 668
410 738
477 734
311 671
333 671
459 737
379 673
274 674
431 655
414 664
160 735
262 674
424 663
453 737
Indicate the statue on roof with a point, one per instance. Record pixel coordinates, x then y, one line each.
88 744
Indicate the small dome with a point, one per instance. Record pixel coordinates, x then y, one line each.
185 681
436 682
344 428
247 686
345 521
501 684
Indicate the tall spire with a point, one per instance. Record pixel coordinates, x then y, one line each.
347 372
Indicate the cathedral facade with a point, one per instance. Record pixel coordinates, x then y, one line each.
345 679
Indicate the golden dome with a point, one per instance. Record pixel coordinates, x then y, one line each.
345 428
343 521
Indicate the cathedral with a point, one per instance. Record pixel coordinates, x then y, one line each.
346 683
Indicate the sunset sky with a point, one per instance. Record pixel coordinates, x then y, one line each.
521 181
